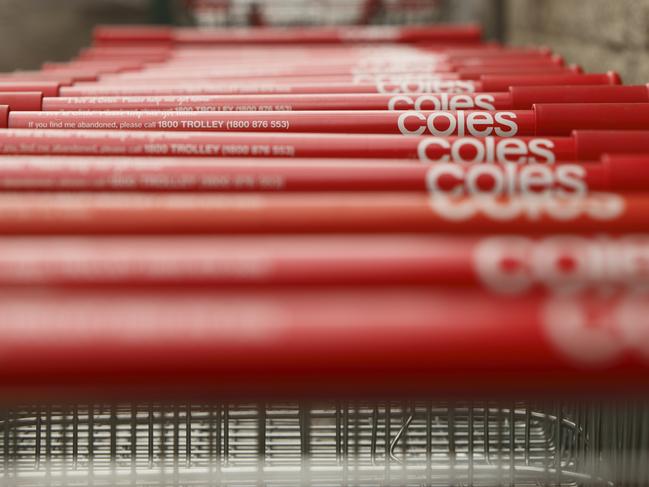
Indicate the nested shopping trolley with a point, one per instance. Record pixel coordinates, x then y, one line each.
336 443
337 388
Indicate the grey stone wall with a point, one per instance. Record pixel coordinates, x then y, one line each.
598 34
35 31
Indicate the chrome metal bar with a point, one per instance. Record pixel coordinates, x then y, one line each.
422 443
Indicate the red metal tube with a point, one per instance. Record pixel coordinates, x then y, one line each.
487 83
543 119
120 35
22 100
73 173
47 88
518 98
260 103
200 343
143 213
511 265
580 146
333 73
426 149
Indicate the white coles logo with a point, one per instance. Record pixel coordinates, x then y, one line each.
506 179
488 149
598 307
597 206
595 332
563 264
444 124
415 84
442 101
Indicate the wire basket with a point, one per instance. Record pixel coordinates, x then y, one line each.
386 443
312 12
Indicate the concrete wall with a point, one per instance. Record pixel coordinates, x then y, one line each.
489 13
34 31
599 34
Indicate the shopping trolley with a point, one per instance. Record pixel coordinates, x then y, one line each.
270 403
335 443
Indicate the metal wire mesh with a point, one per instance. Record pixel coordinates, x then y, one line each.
325 444
315 12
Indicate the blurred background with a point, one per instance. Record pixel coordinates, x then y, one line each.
596 32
